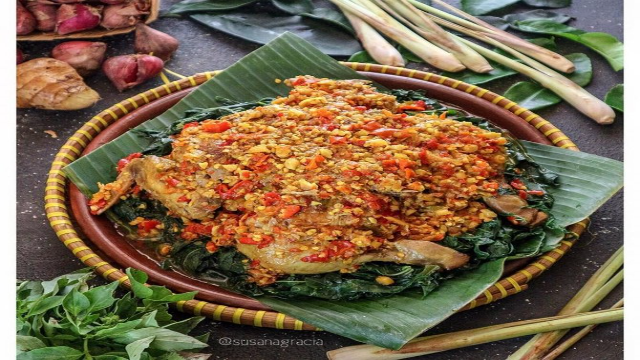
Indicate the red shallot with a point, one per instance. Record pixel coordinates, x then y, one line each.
77 17
25 21
157 43
127 71
84 56
45 15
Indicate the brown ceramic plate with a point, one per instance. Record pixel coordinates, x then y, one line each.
105 237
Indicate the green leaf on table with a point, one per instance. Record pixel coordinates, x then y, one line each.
534 96
331 16
548 3
604 44
547 43
409 56
362 57
135 349
471 77
615 97
481 7
185 325
190 6
294 7
51 353
538 14
498 22
262 28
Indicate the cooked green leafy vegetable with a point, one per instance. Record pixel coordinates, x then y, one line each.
66 318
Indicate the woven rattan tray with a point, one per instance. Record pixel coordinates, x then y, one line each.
56 198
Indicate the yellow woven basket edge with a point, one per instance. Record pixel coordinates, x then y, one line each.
59 218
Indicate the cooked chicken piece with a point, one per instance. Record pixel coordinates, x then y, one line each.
150 173
414 252
516 207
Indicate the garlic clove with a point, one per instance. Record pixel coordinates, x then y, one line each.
157 43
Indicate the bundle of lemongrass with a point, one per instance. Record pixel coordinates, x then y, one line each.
418 27
577 313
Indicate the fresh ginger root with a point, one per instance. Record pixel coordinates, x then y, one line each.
47 83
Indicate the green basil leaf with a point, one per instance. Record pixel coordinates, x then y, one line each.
75 303
109 357
362 57
118 329
28 343
615 97
51 353
261 28
206 5
294 7
186 325
135 349
137 279
45 304
165 339
481 7
537 15
548 3
101 297
604 44
471 77
148 320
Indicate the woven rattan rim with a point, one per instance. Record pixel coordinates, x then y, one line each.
59 218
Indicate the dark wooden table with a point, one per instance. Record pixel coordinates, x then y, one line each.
41 256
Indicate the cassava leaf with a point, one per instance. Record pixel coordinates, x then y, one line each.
481 7
206 5
602 43
261 28
615 97
548 3
537 15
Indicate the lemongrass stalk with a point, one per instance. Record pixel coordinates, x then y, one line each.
587 296
540 53
399 33
375 44
421 24
443 342
571 92
565 345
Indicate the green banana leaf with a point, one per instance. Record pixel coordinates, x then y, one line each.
587 182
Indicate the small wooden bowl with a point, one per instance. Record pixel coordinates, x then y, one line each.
95 33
